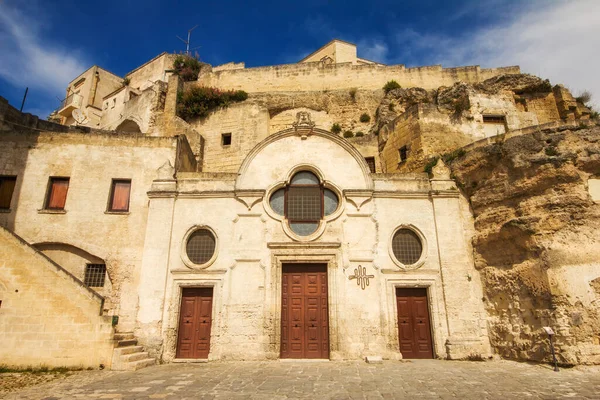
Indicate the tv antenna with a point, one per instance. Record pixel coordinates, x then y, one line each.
187 42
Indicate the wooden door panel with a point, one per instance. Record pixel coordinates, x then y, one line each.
304 315
414 329
195 323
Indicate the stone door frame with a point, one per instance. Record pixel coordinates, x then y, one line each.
436 307
172 309
304 253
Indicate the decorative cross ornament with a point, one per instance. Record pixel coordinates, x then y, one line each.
362 279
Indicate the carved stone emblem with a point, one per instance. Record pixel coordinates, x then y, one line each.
303 122
362 279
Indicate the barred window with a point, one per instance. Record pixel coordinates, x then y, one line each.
200 246
407 246
94 275
305 203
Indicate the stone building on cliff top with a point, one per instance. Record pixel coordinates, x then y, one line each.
452 215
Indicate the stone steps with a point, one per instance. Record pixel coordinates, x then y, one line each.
135 365
127 355
128 350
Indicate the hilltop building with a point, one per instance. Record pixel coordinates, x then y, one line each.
311 220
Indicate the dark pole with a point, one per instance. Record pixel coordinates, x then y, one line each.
553 355
24 97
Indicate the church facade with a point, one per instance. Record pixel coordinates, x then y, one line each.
257 232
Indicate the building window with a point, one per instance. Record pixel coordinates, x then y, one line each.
7 187
119 195
94 275
200 246
407 246
57 193
403 153
226 139
494 119
371 163
304 203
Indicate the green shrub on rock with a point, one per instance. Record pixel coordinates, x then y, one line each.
199 101
391 85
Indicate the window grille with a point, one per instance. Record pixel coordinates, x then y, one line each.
407 246
200 246
94 275
304 203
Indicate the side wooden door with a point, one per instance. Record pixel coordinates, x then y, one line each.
195 320
304 311
414 326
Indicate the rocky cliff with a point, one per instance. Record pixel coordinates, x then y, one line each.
537 240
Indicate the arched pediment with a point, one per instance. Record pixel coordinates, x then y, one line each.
271 160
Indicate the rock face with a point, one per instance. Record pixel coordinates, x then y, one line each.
536 242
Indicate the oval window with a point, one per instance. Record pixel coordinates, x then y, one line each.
407 246
200 246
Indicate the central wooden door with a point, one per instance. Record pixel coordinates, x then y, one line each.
414 328
304 314
195 320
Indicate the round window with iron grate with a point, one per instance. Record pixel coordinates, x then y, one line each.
200 246
407 246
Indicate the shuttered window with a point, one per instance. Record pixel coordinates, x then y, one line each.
7 187
119 195
57 193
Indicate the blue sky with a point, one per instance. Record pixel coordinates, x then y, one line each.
45 44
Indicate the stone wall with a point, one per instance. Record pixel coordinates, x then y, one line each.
154 70
315 77
536 240
91 161
47 316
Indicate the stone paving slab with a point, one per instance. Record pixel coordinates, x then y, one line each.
419 379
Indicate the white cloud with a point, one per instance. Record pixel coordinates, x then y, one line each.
374 50
555 40
30 60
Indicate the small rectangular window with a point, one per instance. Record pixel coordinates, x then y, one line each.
57 193
226 139
494 119
371 163
119 195
94 275
7 187
403 153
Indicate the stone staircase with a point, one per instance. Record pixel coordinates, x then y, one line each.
127 355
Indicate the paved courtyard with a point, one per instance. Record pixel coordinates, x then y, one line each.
427 379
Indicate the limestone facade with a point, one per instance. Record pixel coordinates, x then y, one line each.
226 176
